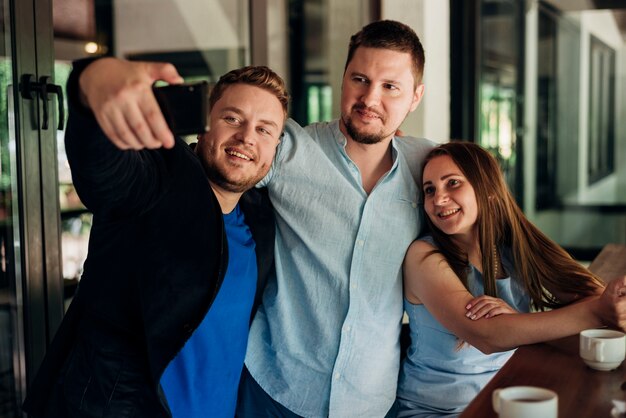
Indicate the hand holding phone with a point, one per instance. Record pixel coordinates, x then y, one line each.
120 95
185 107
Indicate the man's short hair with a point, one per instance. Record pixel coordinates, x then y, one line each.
389 34
258 76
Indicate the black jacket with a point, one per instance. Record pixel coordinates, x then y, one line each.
157 257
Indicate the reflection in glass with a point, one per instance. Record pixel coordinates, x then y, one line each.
558 109
579 199
602 110
500 81
497 129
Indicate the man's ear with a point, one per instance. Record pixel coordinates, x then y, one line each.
417 96
202 136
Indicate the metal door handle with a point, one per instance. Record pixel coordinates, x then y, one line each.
29 88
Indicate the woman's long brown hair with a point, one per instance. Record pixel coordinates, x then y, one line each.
538 260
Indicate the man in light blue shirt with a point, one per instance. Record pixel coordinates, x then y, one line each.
325 341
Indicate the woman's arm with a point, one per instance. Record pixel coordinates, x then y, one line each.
431 281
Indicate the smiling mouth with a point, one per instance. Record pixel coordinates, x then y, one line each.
365 112
368 115
448 213
235 153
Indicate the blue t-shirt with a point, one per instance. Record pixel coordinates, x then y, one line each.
203 378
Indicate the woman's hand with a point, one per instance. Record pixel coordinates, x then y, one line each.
487 307
612 304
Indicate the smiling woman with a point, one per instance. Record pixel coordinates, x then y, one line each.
471 283
449 199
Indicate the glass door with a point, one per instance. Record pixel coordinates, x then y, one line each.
11 319
30 299
11 336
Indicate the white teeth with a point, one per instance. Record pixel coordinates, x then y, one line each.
238 154
448 212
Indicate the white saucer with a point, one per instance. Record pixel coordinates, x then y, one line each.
602 366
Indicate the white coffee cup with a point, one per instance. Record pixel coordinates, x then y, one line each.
525 402
602 349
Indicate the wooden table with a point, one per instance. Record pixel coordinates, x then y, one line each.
556 365
583 392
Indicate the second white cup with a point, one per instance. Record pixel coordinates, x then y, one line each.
525 402
602 349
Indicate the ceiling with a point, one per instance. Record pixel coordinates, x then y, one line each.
577 5
617 6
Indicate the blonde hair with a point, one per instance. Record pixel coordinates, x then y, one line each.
258 76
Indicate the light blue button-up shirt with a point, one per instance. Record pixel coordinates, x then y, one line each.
325 341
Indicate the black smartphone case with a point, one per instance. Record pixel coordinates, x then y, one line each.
185 107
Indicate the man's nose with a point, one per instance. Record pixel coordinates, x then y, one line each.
371 96
246 134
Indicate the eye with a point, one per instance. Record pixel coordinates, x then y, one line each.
429 190
390 86
264 131
359 79
231 120
454 182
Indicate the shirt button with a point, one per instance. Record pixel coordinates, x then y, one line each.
346 328
337 376
353 287
360 242
414 205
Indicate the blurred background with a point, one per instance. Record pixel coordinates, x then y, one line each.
541 84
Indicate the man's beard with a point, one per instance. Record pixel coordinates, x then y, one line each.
216 176
363 138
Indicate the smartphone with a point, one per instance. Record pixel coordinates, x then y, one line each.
185 107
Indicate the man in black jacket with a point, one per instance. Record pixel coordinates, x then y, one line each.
139 338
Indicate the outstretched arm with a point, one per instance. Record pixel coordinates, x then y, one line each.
432 282
111 102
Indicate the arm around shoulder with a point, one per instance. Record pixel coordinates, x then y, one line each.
414 151
291 142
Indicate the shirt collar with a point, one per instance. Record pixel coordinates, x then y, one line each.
341 141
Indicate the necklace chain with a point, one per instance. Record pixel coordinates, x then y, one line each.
495 262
